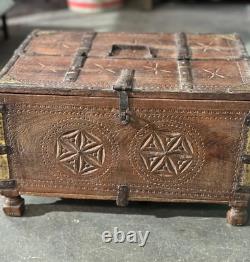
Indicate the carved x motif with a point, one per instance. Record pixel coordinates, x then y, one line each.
208 46
102 68
155 69
214 74
49 68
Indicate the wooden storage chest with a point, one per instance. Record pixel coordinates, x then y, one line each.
125 116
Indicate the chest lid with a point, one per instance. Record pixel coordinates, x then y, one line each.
188 66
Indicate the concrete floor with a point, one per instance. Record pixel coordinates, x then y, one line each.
58 230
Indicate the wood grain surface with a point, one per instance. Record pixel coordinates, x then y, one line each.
187 99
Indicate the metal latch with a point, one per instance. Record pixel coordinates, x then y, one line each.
245 159
247 120
123 85
122 196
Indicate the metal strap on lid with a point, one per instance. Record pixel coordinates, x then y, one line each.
123 85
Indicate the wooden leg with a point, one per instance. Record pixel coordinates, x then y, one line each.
237 214
5 28
13 206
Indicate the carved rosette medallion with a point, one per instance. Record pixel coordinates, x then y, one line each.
166 154
78 148
80 152
171 152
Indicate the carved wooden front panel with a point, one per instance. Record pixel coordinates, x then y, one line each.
169 150
62 149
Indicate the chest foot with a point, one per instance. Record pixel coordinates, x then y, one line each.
14 206
237 215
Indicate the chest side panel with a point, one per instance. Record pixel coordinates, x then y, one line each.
169 150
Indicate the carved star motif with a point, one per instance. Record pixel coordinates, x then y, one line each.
155 69
80 152
168 154
214 74
208 47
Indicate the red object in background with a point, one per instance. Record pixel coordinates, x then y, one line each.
94 5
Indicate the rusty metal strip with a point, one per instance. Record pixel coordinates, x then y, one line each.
123 85
183 51
183 62
239 44
245 159
122 196
7 184
125 80
79 58
185 74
